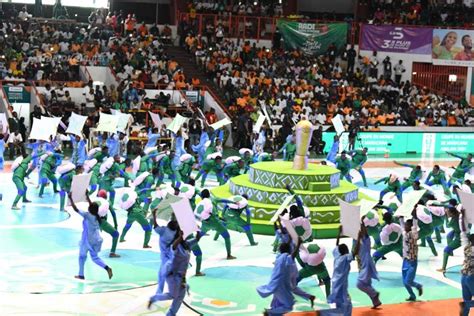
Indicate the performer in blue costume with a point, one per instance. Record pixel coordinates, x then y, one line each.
79 152
176 269
367 270
91 241
179 149
113 144
340 283
153 136
334 150
167 235
200 148
282 283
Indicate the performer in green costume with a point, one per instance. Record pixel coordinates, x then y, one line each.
48 168
415 175
344 166
20 170
65 182
185 167
359 158
166 168
208 165
130 203
205 211
463 167
231 214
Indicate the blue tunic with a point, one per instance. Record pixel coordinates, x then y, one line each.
113 145
333 152
90 232
339 283
200 148
152 139
281 285
367 270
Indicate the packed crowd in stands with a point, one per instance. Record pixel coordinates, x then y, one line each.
434 12
363 89
366 91
245 7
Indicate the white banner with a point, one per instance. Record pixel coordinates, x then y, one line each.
79 186
185 217
76 124
177 123
467 201
107 123
41 130
225 121
156 119
282 207
350 219
409 201
338 125
258 125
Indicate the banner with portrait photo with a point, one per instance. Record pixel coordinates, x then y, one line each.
396 39
453 47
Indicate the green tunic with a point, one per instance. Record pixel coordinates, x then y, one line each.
290 151
437 178
184 171
232 170
358 159
344 165
65 180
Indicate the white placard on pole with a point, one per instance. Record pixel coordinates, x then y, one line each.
185 217
157 122
366 206
40 130
409 201
338 125
79 186
258 125
176 124
76 124
225 121
282 207
107 123
350 219
467 201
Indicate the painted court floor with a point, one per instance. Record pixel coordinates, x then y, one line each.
38 261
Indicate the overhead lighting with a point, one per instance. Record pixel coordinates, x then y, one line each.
414 73
452 78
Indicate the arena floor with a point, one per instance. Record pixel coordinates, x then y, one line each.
38 259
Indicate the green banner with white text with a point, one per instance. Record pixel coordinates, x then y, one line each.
312 38
412 142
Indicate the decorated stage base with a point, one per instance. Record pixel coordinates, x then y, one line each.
319 187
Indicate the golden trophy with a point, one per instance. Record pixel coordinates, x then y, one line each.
304 132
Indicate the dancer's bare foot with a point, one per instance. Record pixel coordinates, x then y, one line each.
109 272
80 277
26 201
122 240
149 304
230 257
114 255
15 207
198 274
147 246
311 299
